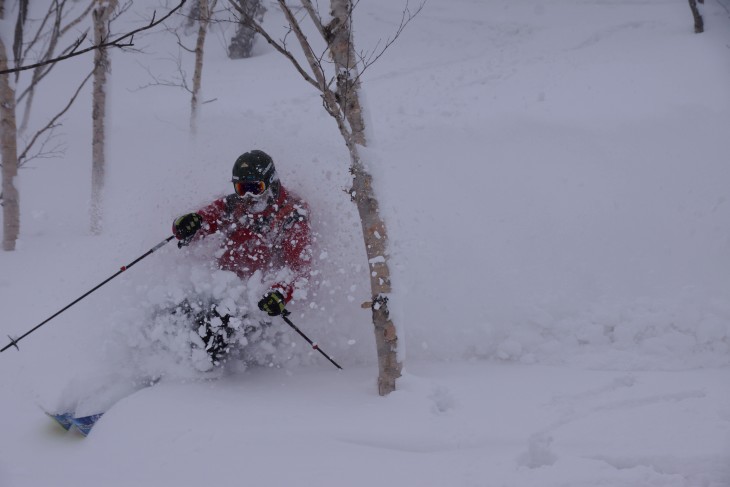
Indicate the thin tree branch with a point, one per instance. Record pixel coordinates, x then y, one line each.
180 82
314 15
31 86
19 29
180 42
317 20
40 72
407 16
251 22
125 40
78 19
316 66
37 36
52 123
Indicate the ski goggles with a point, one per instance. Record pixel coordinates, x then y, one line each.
247 186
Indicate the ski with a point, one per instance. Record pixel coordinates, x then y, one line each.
68 420
63 419
82 424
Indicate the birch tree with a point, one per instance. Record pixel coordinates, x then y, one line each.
699 23
342 50
242 42
9 150
41 144
102 13
122 41
205 7
41 59
341 100
54 16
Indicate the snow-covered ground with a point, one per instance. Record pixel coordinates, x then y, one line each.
554 175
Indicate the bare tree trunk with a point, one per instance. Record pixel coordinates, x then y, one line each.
374 230
193 16
38 72
375 235
339 104
56 9
343 54
9 152
242 42
699 23
19 32
102 13
204 19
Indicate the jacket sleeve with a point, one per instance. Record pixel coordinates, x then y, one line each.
212 216
296 251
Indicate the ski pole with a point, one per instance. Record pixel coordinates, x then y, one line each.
284 315
14 341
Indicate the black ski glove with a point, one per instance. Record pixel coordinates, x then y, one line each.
185 227
273 303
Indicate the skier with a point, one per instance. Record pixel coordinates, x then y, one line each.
265 228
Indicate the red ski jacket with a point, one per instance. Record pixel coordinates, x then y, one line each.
277 238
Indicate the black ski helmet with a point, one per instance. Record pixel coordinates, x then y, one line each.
256 165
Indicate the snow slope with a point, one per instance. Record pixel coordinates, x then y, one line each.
553 175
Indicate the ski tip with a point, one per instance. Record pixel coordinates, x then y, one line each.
67 421
63 419
86 423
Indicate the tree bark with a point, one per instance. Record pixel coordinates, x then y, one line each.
203 20
699 23
102 66
374 230
375 235
242 42
343 54
342 104
19 29
9 153
38 72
